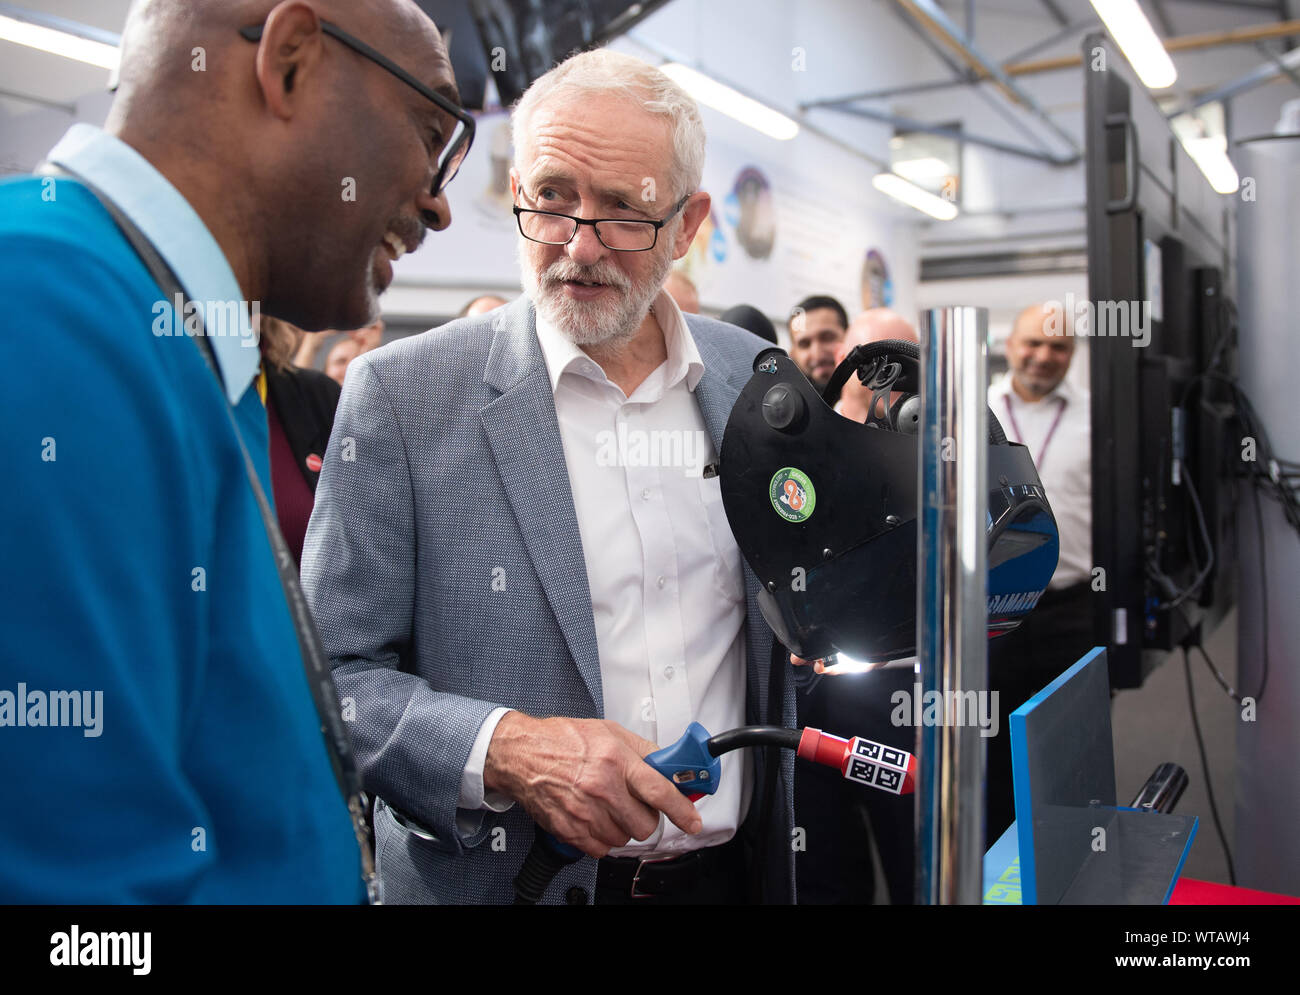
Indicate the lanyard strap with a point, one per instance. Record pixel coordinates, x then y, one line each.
1020 436
315 661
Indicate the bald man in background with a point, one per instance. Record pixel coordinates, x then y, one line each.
482 305
141 596
1040 408
877 324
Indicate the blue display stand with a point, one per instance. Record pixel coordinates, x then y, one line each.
1071 843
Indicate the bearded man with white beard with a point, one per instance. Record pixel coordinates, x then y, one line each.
514 619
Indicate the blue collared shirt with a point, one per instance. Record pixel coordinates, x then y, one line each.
158 738
179 235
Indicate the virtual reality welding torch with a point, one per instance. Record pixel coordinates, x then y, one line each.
694 767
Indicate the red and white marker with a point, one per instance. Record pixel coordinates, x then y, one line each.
876 765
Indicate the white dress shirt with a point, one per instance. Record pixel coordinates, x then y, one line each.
1064 463
667 587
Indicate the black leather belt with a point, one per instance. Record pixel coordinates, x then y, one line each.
641 877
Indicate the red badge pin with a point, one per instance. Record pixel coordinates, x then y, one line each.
314 463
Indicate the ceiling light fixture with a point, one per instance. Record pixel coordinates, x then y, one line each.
906 192
732 103
1133 33
58 42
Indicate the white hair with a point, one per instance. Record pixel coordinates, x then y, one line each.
607 72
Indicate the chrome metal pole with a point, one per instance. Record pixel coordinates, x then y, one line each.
952 607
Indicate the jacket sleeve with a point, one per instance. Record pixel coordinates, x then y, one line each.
358 572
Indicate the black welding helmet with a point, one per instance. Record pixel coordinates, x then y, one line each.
824 508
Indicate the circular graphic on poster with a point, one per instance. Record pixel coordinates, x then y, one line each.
749 209
877 288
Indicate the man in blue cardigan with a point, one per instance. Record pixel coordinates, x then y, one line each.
157 732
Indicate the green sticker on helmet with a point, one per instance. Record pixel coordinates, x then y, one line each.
792 494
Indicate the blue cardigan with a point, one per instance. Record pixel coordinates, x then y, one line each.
189 766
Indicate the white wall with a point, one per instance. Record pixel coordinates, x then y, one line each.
29 130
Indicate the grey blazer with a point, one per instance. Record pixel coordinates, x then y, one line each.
444 472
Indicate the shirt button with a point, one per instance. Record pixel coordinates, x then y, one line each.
660 582
645 494
668 673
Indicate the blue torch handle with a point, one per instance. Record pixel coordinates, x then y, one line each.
688 763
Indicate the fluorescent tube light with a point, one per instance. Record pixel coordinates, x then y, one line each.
732 103
1201 133
930 168
1138 41
1211 157
893 185
70 46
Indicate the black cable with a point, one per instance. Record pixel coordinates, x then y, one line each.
1176 598
1259 478
1271 478
1218 674
1173 596
1263 592
1228 335
1193 641
1266 472
1205 769
735 739
539 869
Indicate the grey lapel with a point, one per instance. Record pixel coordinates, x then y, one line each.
524 435
716 396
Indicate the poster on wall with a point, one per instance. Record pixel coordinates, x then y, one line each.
780 236
877 288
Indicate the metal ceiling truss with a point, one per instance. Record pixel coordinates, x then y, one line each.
969 67
930 16
1264 73
957 134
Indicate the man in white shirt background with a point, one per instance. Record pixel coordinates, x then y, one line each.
1039 407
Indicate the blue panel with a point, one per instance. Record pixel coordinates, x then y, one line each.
1023 786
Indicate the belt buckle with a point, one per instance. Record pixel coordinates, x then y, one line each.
636 878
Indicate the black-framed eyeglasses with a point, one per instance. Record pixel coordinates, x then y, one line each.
619 234
454 149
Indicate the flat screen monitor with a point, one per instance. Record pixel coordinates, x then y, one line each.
1162 351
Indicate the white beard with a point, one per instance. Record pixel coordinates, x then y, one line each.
612 322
